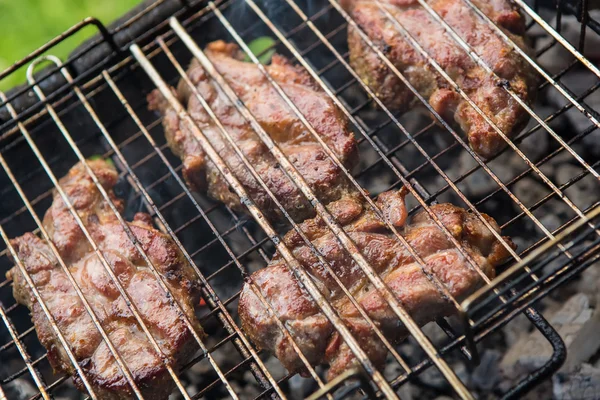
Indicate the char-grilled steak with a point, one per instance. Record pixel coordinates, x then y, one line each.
481 87
276 118
161 315
315 335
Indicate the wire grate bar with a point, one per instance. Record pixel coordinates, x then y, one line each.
20 336
39 382
24 370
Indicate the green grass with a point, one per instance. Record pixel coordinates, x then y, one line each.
28 24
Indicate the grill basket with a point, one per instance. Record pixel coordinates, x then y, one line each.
94 103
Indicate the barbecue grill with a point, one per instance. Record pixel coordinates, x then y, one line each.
94 103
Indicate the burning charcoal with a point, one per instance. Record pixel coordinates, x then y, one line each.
487 374
535 145
588 283
551 222
529 191
575 322
19 389
537 142
516 329
580 335
301 387
549 168
582 384
584 192
506 166
244 387
578 81
409 392
461 371
392 369
433 378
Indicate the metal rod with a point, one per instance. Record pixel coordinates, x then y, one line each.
22 351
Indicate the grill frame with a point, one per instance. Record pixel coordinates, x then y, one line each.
122 64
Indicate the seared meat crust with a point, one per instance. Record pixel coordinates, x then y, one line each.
160 313
315 335
484 89
278 120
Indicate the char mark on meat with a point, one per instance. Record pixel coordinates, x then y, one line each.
315 335
275 117
482 88
160 314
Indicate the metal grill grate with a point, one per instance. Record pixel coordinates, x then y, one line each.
104 108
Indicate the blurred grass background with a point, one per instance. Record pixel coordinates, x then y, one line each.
27 24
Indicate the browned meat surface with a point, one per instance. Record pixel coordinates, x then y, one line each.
160 313
316 337
480 86
277 119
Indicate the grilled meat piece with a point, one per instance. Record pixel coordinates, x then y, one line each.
161 315
277 119
315 335
481 87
